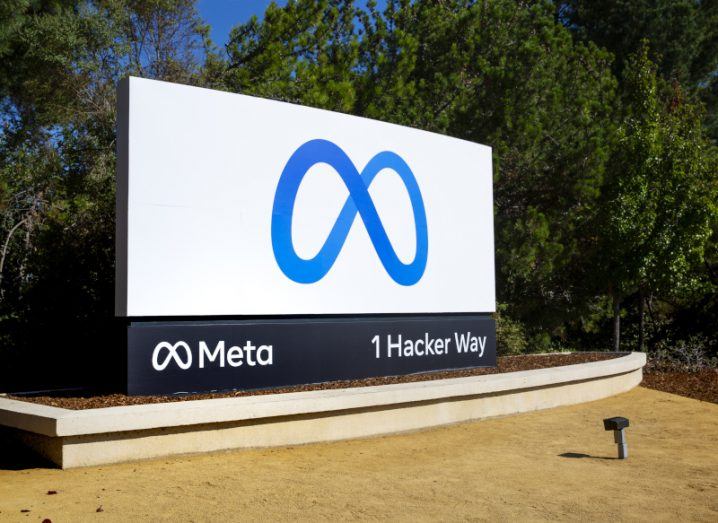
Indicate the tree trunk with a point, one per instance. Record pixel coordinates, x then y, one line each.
23 262
651 316
3 255
641 321
616 324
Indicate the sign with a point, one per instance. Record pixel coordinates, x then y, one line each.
251 354
264 244
230 205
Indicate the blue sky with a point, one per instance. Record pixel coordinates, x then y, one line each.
223 15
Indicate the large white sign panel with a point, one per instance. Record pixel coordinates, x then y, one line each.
232 205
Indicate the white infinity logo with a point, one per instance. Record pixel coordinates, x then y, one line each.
171 354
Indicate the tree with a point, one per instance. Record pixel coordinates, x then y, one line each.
60 63
682 34
682 37
304 52
659 198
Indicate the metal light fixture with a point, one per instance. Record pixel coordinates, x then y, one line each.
617 425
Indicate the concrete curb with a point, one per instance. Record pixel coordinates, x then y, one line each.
141 431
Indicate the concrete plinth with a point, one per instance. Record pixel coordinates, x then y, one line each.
74 438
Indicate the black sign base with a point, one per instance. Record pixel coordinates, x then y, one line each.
205 356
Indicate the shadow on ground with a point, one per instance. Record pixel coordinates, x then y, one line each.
15 456
578 455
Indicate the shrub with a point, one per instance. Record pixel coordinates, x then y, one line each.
510 334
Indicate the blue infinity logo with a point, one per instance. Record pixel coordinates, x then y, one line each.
311 270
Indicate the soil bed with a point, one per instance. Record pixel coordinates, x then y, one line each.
77 401
701 385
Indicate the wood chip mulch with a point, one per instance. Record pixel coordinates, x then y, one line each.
78 401
701 385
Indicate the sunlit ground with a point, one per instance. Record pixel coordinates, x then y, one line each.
555 464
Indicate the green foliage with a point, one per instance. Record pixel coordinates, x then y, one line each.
510 334
60 63
305 53
682 37
660 198
683 34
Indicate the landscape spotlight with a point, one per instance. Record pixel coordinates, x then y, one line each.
617 425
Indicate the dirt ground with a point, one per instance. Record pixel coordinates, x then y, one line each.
546 465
